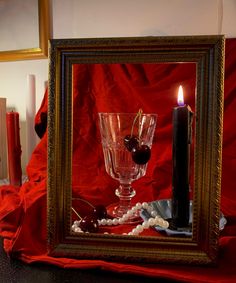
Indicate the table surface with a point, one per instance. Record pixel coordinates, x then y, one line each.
16 271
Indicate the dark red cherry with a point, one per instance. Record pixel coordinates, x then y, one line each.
141 154
100 211
131 142
89 224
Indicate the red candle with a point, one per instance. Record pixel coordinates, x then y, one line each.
182 130
14 148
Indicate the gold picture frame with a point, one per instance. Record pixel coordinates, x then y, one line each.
34 52
208 54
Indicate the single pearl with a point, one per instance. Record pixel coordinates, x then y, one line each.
103 221
158 217
151 221
166 225
121 221
157 220
153 213
109 222
134 209
139 228
135 231
145 224
125 217
145 205
138 205
129 213
115 221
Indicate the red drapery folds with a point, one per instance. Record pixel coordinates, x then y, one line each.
126 88
23 210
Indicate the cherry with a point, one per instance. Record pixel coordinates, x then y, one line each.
100 211
89 224
131 142
141 154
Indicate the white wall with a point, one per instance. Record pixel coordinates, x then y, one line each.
113 18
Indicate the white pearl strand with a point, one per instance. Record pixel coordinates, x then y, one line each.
154 220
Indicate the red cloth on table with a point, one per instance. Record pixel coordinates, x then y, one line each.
23 210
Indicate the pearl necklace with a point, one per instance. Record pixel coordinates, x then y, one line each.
154 220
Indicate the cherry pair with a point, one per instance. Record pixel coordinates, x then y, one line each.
141 153
89 223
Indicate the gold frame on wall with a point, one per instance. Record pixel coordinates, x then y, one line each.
208 54
44 34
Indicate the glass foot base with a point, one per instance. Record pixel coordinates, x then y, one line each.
116 211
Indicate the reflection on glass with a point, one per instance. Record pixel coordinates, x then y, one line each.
125 88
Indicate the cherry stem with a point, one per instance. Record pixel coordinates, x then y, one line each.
76 213
139 132
138 115
85 201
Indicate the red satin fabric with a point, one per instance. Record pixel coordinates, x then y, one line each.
23 210
125 88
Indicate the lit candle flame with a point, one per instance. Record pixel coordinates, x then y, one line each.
180 96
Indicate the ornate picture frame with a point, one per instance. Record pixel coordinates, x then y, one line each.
208 54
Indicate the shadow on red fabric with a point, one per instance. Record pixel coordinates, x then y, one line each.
23 210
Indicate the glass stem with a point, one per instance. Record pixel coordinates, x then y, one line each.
125 193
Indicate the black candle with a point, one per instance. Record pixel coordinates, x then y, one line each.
182 131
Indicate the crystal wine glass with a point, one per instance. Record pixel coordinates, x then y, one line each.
126 162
